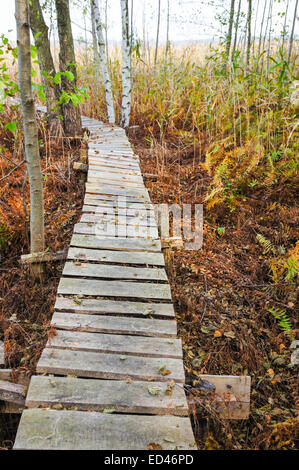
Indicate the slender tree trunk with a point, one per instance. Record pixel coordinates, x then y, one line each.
106 32
126 66
95 50
262 25
158 31
103 62
292 32
284 31
167 30
236 29
249 16
40 32
255 24
71 113
131 28
269 37
230 27
37 239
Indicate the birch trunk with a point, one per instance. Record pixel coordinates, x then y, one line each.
126 66
230 28
167 31
71 113
37 239
103 61
95 50
158 31
236 30
40 32
249 16
292 32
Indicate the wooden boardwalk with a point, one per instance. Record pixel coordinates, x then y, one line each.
112 378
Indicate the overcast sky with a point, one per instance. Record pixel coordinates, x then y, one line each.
189 19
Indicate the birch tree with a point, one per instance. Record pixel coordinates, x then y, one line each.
292 32
230 28
37 239
249 16
158 32
71 112
236 29
95 50
40 32
103 61
167 30
126 66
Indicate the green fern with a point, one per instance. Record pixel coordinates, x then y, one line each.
292 269
266 244
283 320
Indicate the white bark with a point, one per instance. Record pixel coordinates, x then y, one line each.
126 66
37 241
292 32
158 31
103 61
95 50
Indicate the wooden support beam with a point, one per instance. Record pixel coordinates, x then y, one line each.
43 257
11 408
231 397
14 375
2 354
83 155
13 393
150 176
80 167
173 242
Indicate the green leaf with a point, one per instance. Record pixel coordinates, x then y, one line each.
42 95
11 126
75 99
57 78
33 51
69 75
153 391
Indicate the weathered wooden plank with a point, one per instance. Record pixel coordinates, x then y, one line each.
112 243
113 163
119 344
117 307
102 208
125 257
119 171
118 218
105 271
112 206
115 176
115 230
14 376
96 172
114 325
98 395
81 430
73 286
10 408
233 394
109 366
118 199
117 183
12 393
114 157
96 188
